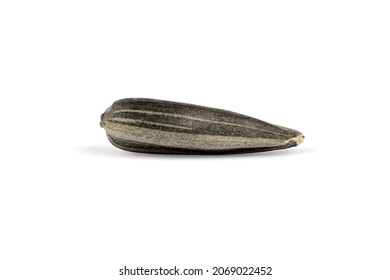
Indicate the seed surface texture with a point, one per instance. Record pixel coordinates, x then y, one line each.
166 127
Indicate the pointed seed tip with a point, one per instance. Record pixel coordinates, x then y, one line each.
299 139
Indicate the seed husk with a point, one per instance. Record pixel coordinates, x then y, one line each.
166 127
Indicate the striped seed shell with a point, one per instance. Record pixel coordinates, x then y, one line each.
166 127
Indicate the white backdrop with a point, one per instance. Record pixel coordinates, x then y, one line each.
74 207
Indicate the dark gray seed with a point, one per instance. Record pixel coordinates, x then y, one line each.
158 126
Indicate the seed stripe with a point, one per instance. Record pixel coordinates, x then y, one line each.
194 118
131 121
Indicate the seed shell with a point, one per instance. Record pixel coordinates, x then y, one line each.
166 127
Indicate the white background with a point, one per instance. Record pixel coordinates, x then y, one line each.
74 207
